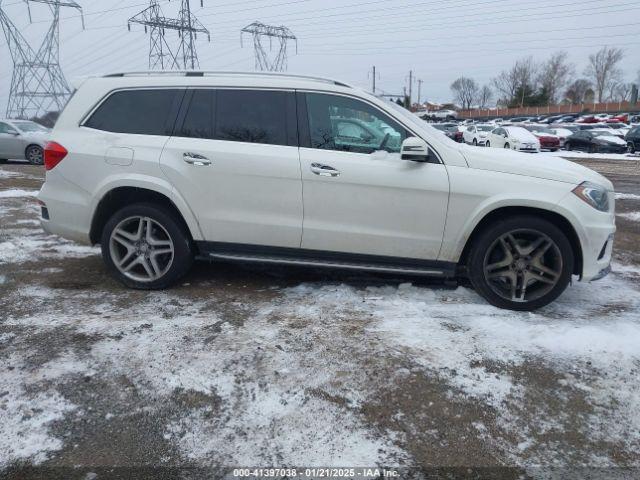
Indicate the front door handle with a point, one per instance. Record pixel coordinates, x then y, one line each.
324 170
196 159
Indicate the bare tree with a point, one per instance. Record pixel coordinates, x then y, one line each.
485 95
578 91
513 84
465 92
603 69
554 75
620 91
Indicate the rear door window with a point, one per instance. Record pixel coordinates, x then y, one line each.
255 116
198 120
143 112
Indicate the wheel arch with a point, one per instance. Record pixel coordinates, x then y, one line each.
121 196
509 211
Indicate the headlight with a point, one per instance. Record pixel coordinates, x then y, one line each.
594 195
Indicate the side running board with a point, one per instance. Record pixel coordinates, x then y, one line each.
308 262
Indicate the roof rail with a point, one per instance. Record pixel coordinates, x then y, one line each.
195 73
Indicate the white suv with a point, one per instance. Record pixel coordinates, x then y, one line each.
162 168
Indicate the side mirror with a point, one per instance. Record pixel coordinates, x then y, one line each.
416 150
15 133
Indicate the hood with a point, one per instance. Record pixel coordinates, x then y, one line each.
538 166
614 140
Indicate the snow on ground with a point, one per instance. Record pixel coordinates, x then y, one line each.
16 193
627 196
282 376
594 156
634 216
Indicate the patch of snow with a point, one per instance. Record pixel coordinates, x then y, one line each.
16 193
627 196
633 216
27 413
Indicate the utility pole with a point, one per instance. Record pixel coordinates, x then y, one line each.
187 26
410 88
374 79
38 85
282 34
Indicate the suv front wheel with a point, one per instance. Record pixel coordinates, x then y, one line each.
521 263
145 247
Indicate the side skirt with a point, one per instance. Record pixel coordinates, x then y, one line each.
212 251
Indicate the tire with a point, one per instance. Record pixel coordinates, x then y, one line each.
568 146
34 155
488 144
147 262
631 147
492 274
507 146
475 142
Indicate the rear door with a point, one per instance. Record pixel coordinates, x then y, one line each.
234 158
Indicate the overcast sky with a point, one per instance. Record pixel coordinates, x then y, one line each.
438 40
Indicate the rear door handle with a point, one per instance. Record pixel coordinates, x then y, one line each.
196 159
324 170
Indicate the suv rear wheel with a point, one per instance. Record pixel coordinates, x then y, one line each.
521 263
145 247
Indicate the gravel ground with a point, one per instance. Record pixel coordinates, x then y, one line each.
264 366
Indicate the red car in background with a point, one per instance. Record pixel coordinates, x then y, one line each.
548 140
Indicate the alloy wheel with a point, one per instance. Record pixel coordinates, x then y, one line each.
523 265
35 155
141 249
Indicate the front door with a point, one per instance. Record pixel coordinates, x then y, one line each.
359 196
234 158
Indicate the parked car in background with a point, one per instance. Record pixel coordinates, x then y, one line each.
451 130
22 140
477 134
444 114
600 130
514 138
594 141
633 140
562 133
548 140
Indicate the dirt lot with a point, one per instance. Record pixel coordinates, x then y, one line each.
263 366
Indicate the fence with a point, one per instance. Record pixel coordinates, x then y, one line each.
609 107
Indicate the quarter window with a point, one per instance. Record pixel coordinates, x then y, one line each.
349 125
253 116
144 112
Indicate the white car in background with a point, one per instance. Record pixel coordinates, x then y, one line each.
477 134
513 138
22 140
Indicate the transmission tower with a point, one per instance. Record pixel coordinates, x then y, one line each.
38 85
187 25
259 31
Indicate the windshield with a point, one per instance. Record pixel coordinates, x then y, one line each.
30 127
485 128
